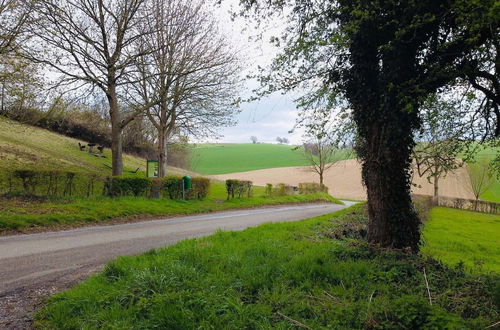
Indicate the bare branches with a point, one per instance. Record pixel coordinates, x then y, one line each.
190 78
14 16
93 42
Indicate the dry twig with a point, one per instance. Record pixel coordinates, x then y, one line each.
427 286
302 325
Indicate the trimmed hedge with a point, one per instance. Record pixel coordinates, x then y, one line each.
53 183
238 187
66 183
200 188
123 186
279 189
168 187
312 187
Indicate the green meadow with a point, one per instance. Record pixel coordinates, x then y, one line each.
458 236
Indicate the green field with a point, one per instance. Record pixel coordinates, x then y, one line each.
230 158
493 193
276 276
455 236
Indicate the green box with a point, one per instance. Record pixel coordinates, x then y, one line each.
153 168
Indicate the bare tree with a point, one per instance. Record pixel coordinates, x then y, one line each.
92 43
441 140
253 139
322 152
279 140
191 77
480 179
14 15
284 140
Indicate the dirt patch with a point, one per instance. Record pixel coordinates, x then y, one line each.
344 180
17 308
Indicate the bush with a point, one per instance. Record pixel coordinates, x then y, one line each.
199 189
53 183
312 187
241 188
172 187
282 189
123 186
269 189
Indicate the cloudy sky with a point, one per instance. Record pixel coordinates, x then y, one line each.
272 116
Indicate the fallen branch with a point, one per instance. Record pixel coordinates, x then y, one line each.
427 286
302 325
493 325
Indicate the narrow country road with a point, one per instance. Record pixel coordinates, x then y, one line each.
37 265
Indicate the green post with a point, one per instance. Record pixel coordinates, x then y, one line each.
186 185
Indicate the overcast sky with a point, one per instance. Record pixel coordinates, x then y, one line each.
272 116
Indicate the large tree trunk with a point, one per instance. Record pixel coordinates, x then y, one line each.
393 221
116 132
162 151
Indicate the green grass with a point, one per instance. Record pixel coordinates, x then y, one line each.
230 158
20 214
274 276
493 193
455 236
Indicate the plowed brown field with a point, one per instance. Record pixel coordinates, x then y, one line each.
344 180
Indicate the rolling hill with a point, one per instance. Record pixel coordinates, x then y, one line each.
230 158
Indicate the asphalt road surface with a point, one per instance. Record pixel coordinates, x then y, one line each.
32 260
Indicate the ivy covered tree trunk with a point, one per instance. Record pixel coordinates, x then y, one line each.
385 110
393 221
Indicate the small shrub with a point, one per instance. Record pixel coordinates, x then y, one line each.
200 188
312 187
269 189
282 189
240 187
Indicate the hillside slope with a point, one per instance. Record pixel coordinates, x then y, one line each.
25 147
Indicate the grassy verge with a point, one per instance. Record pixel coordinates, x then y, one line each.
22 214
456 236
313 272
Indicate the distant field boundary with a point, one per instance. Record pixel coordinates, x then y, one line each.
461 203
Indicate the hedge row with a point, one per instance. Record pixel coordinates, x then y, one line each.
169 187
279 189
53 183
67 183
241 188
282 189
312 187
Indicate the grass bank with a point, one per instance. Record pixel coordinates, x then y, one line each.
458 236
315 273
18 214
